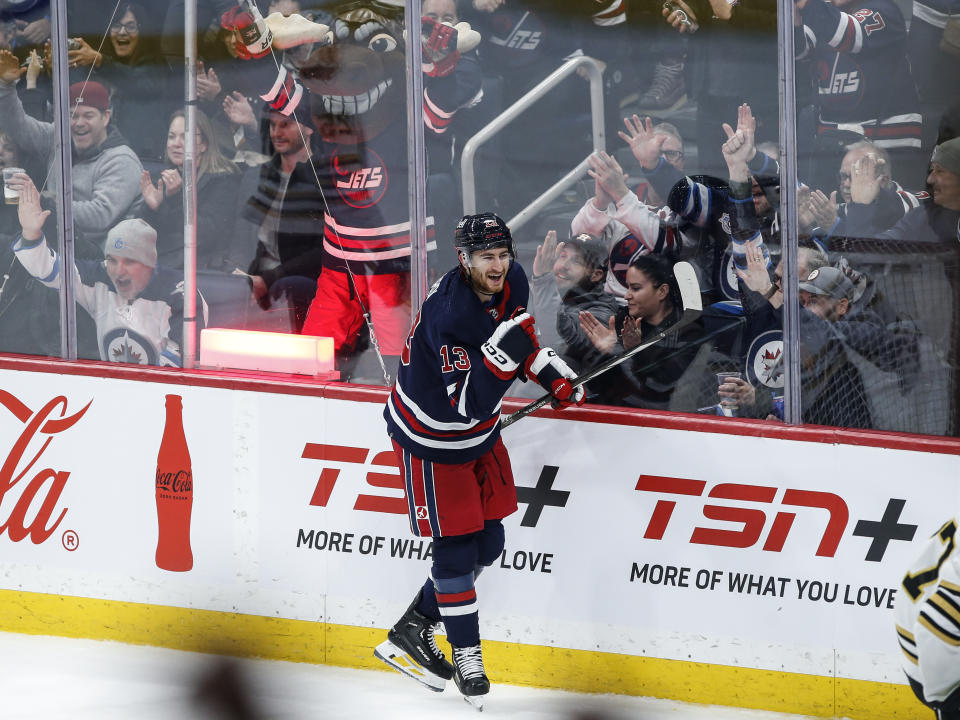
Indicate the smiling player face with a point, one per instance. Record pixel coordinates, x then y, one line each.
488 271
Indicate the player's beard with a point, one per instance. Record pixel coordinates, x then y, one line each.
481 283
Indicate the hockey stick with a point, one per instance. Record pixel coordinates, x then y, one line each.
692 307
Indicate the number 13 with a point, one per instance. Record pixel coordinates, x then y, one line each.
460 359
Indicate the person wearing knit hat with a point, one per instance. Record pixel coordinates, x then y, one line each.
89 114
944 178
947 155
91 94
130 253
105 169
136 306
133 239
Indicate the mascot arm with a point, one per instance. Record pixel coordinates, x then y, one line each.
444 96
294 30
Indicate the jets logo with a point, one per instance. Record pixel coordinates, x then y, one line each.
765 360
421 512
360 186
841 81
525 32
128 346
725 223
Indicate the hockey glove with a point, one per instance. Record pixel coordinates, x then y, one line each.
254 36
440 55
512 343
555 376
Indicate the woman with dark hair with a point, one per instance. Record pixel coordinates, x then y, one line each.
649 378
216 199
132 68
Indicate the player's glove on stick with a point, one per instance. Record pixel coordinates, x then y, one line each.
512 343
554 376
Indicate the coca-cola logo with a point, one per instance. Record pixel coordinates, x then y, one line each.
175 482
44 486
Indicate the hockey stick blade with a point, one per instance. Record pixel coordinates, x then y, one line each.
692 308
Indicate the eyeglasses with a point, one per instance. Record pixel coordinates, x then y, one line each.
672 154
130 27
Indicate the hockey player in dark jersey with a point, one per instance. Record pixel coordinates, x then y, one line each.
470 340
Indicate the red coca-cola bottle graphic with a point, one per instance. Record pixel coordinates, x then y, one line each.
174 492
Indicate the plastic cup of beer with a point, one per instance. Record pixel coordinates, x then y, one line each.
728 405
11 195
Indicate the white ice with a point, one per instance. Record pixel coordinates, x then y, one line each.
53 678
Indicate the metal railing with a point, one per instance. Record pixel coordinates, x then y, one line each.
468 178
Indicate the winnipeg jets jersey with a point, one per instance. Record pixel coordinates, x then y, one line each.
927 615
368 220
862 73
146 331
445 405
368 223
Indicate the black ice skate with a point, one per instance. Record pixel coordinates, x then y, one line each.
411 648
469 675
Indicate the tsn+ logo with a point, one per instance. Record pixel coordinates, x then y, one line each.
752 521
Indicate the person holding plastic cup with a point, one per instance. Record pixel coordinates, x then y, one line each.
728 390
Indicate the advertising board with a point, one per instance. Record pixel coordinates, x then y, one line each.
744 549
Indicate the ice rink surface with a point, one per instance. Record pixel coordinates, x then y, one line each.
53 678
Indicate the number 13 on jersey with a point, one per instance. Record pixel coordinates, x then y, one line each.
454 358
